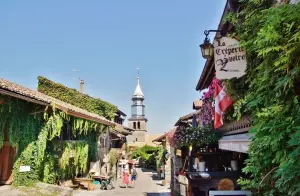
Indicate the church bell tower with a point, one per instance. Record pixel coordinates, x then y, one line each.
138 121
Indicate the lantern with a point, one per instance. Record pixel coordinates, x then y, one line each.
207 49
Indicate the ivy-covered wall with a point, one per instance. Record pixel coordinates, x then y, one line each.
271 36
34 134
72 96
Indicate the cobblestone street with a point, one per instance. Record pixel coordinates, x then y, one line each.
146 185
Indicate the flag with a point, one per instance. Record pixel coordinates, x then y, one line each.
194 122
222 102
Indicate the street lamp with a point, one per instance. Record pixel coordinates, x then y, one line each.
207 47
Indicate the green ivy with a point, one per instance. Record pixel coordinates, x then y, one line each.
50 174
271 37
21 125
74 159
27 158
31 131
34 153
72 96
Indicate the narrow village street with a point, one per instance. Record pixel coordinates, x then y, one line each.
150 98
146 185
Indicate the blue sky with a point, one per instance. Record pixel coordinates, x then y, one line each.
107 41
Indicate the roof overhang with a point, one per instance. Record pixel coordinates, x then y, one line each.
25 98
186 119
161 138
121 113
116 133
123 130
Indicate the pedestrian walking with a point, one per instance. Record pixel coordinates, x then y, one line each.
133 176
126 178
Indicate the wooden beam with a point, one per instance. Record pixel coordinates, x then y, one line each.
23 97
79 115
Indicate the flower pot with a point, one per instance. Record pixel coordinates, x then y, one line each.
201 166
234 165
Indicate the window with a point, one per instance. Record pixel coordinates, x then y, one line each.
134 125
66 133
136 139
139 125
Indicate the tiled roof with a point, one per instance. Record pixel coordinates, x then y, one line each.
186 117
123 129
160 138
116 133
170 133
21 92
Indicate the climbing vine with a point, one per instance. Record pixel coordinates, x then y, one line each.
84 101
74 158
271 37
22 127
30 128
50 174
34 153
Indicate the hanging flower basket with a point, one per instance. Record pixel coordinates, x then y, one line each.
197 136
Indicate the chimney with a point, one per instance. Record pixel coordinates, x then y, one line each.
81 86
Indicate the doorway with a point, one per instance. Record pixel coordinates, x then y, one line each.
7 154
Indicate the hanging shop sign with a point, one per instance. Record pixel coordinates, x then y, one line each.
178 152
230 58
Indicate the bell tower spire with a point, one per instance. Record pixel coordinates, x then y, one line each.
138 93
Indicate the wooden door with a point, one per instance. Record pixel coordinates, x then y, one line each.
7 154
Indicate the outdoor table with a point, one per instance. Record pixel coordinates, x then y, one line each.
100 178
89 181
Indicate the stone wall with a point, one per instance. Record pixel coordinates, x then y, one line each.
176 164
168 165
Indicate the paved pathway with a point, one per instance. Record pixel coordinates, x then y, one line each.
145 186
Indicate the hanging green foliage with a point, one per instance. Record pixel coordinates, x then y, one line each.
74 158
20 120
271 37
34 153
84 101
27 128
31 131
50 174
82 126
27 158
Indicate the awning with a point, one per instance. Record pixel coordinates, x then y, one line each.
236 143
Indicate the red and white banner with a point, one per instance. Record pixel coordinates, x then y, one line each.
222 102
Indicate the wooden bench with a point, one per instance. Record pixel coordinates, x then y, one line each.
89 181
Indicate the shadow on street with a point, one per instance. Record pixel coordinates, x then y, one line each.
154 175
157 194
